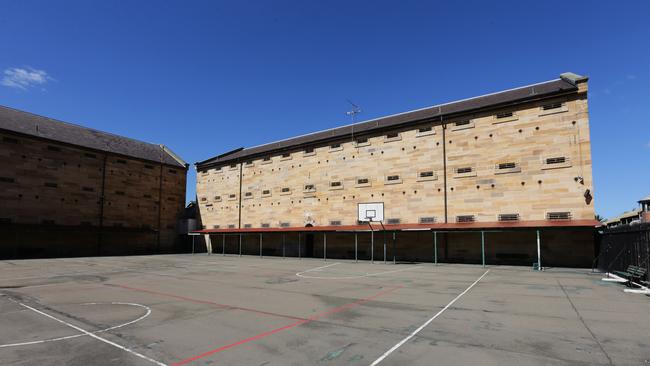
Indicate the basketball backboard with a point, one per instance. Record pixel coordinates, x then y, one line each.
371 212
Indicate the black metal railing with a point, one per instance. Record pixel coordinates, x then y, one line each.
623 246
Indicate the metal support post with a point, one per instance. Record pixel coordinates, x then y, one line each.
223 245
356 258
240 244
435 248
394 234
384 246
483 247
299 237
539 253
260 245
283 244
325 246
192 244
372 247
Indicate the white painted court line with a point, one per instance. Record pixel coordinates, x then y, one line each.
299 274
415 332
91 334
148 312
302 274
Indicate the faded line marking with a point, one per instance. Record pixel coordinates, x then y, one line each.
207 302
123 348
415 332
83 335
293 325
301 274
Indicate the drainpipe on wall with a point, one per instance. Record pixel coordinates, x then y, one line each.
240 185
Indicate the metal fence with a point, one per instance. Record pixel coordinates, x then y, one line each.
623 246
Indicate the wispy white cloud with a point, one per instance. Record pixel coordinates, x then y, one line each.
631 77
24 78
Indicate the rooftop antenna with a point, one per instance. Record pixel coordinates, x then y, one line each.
353 115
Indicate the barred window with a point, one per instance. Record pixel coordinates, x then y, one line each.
556 160
393 221
363 181
284 224
509 217
427 220
266 225
392 177
426 174
425 129
335 222
550 106
504 115
336 184
509 165
465 218
463 170
558 216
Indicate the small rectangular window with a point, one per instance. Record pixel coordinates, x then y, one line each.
250 162
266 191
462 123
362 140
558 215
556 160
392 178
286 155
10 140
216 226
88 189
335 184
393 221
335 146
217 198
203 199
509 165
363 181
7 180
53 148
335 223
550 106
232 196
248 194
427 220
309 150
464 170
426 174
504 115
310 187
233 166
120 161
51 184
248 226
286 190
392 135
509 217
465 218
265 225
425 129
284 224
231 226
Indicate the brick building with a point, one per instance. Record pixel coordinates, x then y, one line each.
67 190
497 170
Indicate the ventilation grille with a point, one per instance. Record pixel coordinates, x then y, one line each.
266 225
558 216
465 218
284 224
248 226
427 220
335 222
546 107
393 221
509 217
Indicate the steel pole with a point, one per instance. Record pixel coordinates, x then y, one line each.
435 248
240 244
299 237
394 234
539 253
483 247
372 247
223 245
260 245
192 244
325 246
384 246
283 244
356 258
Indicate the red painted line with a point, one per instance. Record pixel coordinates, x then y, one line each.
293 325
207 302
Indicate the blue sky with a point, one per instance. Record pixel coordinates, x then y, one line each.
204 77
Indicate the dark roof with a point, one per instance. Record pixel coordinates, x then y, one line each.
47 128
566 83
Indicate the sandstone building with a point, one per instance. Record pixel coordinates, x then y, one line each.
67 190
507 165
